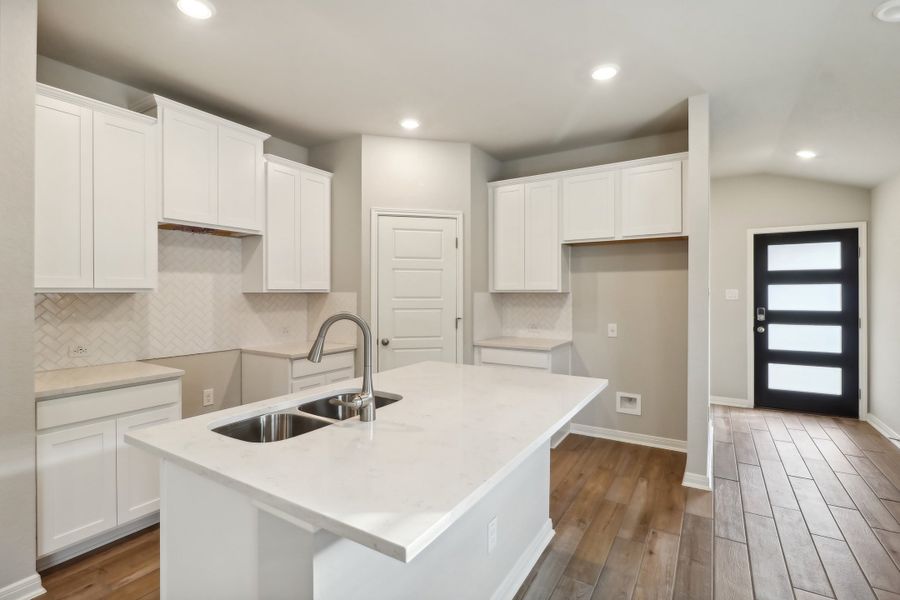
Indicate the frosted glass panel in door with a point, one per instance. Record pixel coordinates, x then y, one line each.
804 378
806 297
804 257
805 338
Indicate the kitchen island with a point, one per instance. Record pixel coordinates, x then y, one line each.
444 495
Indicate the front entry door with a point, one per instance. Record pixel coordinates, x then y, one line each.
806 321
417 290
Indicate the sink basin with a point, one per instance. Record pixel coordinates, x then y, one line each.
271 427
325 407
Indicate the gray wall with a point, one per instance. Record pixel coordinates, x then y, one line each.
642 287
754 201
654 145
219 371
884 302
18 25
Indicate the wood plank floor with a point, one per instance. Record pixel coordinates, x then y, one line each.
806 507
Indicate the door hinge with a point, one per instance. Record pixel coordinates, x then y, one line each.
458 319
859 393
859 252
859 322
457 242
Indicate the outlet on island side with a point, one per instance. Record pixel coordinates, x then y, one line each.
492 535
209 397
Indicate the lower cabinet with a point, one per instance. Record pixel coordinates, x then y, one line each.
552 360
89 481
266 376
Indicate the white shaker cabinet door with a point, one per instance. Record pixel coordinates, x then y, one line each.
63 228
315 232
651 199
76 484
190 168
240 180
508 235
282 222
542 245
137 472
125 203
589 207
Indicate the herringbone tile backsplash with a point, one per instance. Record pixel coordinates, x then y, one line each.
198 307
536 315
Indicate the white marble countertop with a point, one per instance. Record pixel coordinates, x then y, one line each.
522 343
397 483
296 349
82 380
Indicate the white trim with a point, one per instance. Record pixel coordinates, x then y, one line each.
883 428
161 102
292 164
373 268
862 227
678 156
629 437
43 89
24 589
697 481
727 401
514 579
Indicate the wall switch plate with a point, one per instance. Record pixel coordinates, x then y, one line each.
732 294
209 397
628 403
492 535
612 330
79 350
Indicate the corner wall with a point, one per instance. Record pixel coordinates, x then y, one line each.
884 313
18 31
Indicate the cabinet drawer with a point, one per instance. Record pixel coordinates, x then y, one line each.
330 362
310 381
516 358
95 405
342 375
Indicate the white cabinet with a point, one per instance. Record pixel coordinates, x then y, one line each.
651 199
294 255
212 169
89 481
76 484
95 195
265 376
589 206
526 251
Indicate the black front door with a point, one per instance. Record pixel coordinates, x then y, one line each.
806 321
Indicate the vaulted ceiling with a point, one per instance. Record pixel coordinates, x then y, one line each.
513 76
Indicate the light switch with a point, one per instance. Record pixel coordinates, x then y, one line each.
732 294
612 330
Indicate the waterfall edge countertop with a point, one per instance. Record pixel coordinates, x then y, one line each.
522 343
295 350
397 483
83 380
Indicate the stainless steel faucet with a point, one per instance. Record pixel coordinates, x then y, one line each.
365 399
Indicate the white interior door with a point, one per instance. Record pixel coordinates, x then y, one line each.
417 290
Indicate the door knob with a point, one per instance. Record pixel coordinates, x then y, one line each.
385 341
760 329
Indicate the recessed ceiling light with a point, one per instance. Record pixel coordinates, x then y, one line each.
409 123
806 154
605 72
196 9
889 11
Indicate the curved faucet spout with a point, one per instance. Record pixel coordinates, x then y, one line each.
366 398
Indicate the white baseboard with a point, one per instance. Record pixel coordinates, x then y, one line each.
883 429
70 552
557 438
726 401
24 589
699 481
628 437
514 579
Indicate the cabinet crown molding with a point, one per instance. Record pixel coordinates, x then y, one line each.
592 169
157 101
291 164
49 91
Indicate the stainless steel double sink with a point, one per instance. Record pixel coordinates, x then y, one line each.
288 423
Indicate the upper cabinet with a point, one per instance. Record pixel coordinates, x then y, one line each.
95 195
589 206
212 169
651 199
526 254
294 255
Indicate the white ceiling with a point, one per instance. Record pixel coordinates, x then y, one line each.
512 76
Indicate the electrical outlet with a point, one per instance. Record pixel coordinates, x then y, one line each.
209 397
79 350
285 331
612 330
492 535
